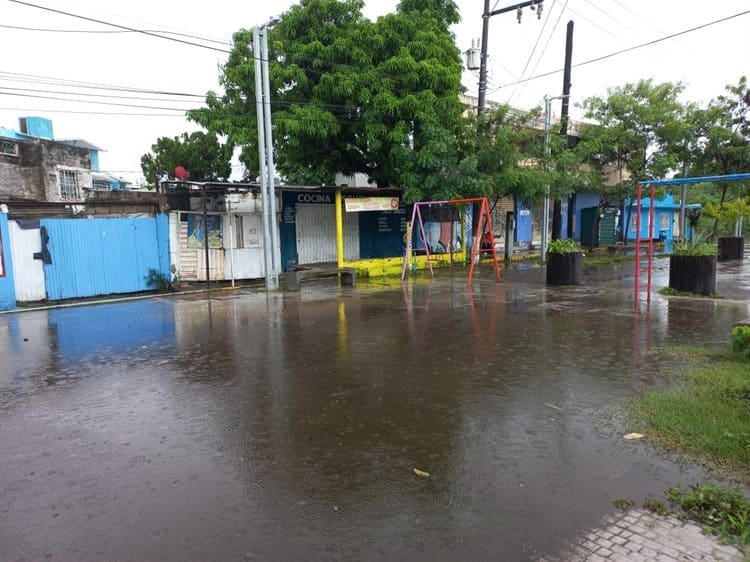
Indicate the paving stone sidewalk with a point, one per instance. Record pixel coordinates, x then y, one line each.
639 536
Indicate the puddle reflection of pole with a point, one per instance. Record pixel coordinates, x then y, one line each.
483 341
641 335
342 351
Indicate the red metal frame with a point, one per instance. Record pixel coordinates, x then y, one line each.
484 222
650 246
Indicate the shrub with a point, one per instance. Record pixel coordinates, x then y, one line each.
157 280
724 509
697 246
563 246
741 340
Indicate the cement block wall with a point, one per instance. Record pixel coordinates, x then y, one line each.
32 174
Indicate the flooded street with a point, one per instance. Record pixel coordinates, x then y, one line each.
286 426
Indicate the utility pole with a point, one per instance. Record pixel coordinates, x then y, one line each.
547 153
486 15
557 207
265 156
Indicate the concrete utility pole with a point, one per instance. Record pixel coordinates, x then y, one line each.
557 207
265 156
486 15
547 153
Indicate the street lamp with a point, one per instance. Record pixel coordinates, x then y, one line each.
486 15
547 153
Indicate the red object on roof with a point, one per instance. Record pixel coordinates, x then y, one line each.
181 173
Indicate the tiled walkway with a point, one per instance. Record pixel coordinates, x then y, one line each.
640 535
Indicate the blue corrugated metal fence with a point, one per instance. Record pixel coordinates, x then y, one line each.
103 256
7 289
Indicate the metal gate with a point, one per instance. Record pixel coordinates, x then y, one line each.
316 234
88 257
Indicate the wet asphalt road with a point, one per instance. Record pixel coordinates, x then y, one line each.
286 427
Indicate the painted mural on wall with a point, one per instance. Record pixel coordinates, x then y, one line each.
442 229
196 231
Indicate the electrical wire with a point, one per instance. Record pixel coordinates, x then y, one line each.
90 95
633 48
520 81
93 102
544 50
122 113
608 15
651 25
600 27
102 22
115 31
531 55
37 79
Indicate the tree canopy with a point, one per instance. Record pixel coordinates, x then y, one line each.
721 133
350 95
199 153
640 129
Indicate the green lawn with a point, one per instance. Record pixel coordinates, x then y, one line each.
705 413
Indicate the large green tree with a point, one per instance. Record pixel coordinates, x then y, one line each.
511 160
199 153
350 95
721 146
640 134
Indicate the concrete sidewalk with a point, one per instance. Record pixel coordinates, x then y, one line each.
640 536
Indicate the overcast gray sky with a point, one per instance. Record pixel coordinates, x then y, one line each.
39 63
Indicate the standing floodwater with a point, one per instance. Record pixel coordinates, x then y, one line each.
287 426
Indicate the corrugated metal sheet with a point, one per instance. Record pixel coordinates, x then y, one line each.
103 256
28 272
351 236
316 234
7 289
188 257
215 264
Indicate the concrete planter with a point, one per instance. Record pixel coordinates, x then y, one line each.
693 274
731 248
564 269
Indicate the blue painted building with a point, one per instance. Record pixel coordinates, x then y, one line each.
7 286
666 219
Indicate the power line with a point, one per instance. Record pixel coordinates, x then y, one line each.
549 38
536 44
37 79
124 113
114 31
144 32
93 102
90 95
605 30
609 15
633 48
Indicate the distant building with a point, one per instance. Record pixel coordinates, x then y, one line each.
34 166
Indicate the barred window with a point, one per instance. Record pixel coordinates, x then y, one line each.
9 148
68 183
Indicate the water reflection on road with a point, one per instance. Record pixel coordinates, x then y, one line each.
286 426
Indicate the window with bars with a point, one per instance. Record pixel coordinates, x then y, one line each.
69 183
9 148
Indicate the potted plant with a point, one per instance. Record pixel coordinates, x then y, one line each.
564 259
692 266
727 214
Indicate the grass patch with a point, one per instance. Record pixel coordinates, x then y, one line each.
623 503
656 506
607 259
670 292
705 413
724 510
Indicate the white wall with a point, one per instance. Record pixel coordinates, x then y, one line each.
28 273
